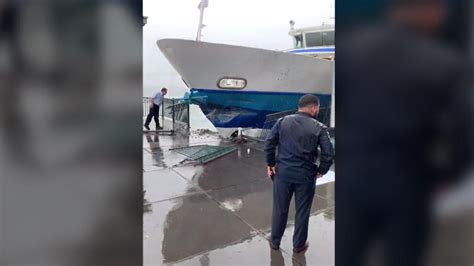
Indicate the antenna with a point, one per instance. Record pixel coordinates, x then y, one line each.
201 7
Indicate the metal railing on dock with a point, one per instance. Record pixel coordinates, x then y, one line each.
174 114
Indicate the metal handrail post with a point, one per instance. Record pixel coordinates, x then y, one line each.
173 114
163 112
188 106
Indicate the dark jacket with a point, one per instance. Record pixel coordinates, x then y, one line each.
298 137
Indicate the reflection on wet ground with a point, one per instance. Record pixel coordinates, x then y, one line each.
220 213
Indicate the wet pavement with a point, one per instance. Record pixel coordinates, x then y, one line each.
220 213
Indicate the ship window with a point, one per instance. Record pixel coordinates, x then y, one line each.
232 83
328 38
298 41
324 38
314 39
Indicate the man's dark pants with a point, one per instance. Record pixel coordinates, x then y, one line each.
154 113
282 194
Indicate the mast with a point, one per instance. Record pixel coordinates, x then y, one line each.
201 7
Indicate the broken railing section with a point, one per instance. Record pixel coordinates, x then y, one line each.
204 153
177 110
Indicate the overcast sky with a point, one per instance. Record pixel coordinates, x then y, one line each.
254 23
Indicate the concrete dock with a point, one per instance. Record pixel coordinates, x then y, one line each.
220 213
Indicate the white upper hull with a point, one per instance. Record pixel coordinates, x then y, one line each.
203 64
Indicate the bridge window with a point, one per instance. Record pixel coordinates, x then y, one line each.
314 39
319 38
328 37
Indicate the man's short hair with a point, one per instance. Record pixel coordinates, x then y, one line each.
164 89
308 100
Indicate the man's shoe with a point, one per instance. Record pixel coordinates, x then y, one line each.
301 249
147 127
159 127
273 246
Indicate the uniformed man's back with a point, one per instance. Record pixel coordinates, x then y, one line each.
297 137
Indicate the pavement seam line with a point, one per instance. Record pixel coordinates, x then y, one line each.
259 232
221 206
177 197
215 189
210 250
187 181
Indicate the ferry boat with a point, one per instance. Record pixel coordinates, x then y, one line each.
237 87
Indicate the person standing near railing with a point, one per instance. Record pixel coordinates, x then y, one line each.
154 112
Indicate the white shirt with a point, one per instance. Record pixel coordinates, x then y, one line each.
158 99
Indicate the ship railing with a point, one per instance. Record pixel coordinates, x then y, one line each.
271 119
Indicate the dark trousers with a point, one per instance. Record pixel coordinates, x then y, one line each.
154 113
282 194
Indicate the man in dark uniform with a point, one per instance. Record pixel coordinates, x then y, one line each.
298 137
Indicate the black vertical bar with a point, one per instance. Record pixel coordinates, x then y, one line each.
173 114
189 118
163 112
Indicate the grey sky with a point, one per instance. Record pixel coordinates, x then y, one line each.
254 23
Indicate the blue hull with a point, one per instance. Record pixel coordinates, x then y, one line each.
247 109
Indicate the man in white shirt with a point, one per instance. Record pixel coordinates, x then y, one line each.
157 100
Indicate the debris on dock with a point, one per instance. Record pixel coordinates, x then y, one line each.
204 153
